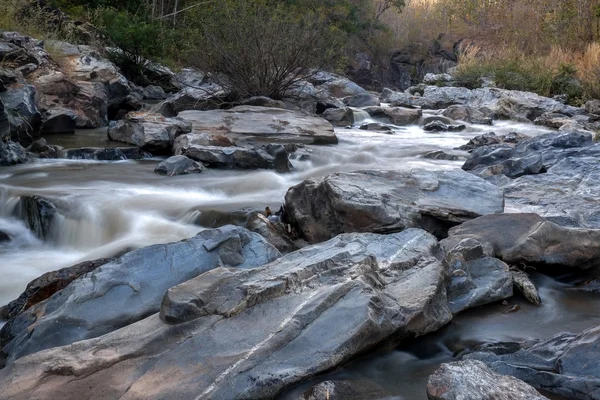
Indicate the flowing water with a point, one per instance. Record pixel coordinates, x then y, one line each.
107 208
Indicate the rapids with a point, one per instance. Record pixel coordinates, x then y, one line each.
110 207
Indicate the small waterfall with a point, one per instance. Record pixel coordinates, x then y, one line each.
359 116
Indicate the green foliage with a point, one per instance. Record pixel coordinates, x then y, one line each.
259 48
137 40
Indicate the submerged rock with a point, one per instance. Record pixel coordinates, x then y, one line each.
128 289
178 165
310 311
389 201
440 155
473 380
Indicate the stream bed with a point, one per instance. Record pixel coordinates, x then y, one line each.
111 207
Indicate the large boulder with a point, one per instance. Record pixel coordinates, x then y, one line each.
151 132
473 380
532 156
128 289
553 175
530 238
564 365
310 311
389 201
262 123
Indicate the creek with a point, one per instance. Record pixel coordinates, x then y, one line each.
107 208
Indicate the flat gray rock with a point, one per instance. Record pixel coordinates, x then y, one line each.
389 201
128 289
309 311
253 122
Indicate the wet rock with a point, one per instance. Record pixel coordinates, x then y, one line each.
395 115
529 238
4 237
178 165
467 114
59 121
105 154
440 155
151 132
388 201
48 284
339 116
38 214
473 380
237 157
476 278
12 153
375 126
438 126
362 100
347 390
526 286
43 150
310 311
563 365
531 156
274 232
129 289
491 138
262 123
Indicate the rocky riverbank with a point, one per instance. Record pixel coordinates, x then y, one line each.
356 261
